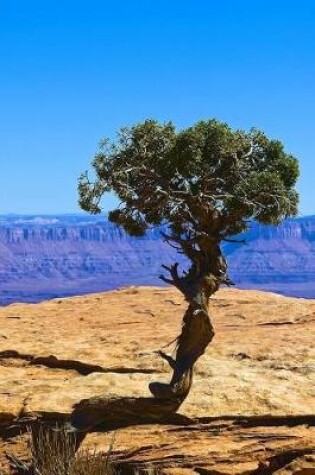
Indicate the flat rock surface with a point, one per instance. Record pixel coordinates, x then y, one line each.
253 393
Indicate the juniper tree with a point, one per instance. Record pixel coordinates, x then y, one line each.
206 183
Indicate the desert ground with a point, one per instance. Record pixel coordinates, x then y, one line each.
251 407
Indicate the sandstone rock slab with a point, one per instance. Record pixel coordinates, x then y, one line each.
260 365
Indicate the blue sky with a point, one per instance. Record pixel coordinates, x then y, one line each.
73 72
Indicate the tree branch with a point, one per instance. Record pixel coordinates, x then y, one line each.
168 281
167 358
234 241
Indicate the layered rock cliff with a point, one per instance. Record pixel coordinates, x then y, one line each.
278 258
45 257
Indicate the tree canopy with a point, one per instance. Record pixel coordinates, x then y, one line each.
204 180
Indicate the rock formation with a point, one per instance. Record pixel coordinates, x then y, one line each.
42 258
250 410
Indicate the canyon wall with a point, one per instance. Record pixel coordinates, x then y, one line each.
46 257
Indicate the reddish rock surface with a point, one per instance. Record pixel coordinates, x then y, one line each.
251 408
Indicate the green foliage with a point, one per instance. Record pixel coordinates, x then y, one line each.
205 181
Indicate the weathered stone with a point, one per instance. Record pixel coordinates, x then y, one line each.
251 403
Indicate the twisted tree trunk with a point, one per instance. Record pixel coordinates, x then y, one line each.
206 274
197 332
202 281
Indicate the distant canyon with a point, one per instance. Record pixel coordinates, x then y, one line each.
43 257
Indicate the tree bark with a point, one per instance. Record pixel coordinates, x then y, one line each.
197 330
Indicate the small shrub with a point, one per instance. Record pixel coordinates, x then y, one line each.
53 452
